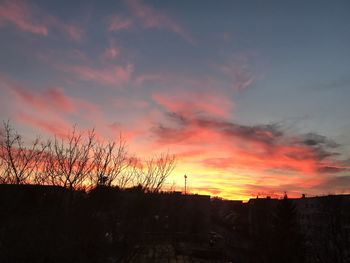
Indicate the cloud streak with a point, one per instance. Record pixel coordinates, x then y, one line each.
118 23
194 103
49 109
153 18
113 75
264 146
26 19
18 13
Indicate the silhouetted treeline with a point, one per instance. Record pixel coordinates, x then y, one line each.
78 160
110 224
275 233
107 224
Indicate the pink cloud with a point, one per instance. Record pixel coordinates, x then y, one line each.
104 71
75 33
190 103
53 126
152 18
19 14
112 75
51 99
57 97
111 52
128 133
155 77
51 109
226 145
117 23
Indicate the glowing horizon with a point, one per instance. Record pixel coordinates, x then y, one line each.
252 99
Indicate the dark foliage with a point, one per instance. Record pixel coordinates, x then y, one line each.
54 224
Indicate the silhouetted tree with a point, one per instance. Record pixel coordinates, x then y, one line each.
68 161
3 167
333 237
288 243
151 174
19 161
127 176
109 162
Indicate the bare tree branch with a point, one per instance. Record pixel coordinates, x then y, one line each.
19 162
68 161
152 174
109 161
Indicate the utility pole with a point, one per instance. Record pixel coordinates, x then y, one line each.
185 176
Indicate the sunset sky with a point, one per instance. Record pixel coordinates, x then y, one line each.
252 96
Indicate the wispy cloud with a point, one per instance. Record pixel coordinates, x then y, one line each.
74 32
118 22
49 99
111 52
19 14
237 71
53 125
29 19
104 69
47 109
113 75
153 18
194 103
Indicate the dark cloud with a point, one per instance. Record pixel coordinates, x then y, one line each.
177 118
335 183
318 153
267 133
333 169
314 139
270 135
171 135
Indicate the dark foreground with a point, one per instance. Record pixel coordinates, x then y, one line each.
52 224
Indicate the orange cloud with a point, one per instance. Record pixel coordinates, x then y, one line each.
265 156
263 147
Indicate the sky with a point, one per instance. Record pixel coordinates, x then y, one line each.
251 96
